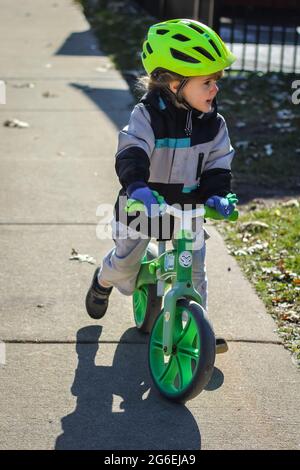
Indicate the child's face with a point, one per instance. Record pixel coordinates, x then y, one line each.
199 92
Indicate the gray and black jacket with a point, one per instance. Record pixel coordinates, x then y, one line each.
185 155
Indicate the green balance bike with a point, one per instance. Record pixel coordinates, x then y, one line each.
182 344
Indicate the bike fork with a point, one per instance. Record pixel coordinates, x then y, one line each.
183 287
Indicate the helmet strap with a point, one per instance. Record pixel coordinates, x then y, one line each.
179 96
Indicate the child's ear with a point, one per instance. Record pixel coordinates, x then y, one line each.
173 85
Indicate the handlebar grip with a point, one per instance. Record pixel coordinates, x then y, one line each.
211 213
133 206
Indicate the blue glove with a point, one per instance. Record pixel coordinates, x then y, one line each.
141 192
221 204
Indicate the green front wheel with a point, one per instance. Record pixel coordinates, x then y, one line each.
183 374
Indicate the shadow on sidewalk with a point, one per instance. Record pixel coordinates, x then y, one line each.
81 43
140 420
115 103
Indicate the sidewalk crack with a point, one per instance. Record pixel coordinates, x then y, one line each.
71 341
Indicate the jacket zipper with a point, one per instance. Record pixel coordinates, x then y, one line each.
173 156
188 132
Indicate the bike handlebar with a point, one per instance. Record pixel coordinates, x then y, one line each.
207 212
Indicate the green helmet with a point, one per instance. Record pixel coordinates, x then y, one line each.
186 47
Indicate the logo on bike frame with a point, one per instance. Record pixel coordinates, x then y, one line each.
185 259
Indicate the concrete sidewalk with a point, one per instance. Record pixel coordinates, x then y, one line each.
69 382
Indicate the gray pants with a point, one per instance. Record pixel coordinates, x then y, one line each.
121 265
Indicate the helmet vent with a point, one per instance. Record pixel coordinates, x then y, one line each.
149 48
184 57
181 37
205 53
215 47
144 55
162 31
196 28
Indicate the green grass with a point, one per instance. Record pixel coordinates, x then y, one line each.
257 101
269 254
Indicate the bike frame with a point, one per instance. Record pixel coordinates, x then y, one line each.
174 266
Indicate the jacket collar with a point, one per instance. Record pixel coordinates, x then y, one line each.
161 101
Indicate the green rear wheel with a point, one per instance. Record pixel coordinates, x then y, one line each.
146 303
183 374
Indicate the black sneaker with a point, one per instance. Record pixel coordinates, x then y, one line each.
221 345
96 301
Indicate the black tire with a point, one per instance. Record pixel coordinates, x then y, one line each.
200 363
146 303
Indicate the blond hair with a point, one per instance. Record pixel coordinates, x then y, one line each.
160 80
